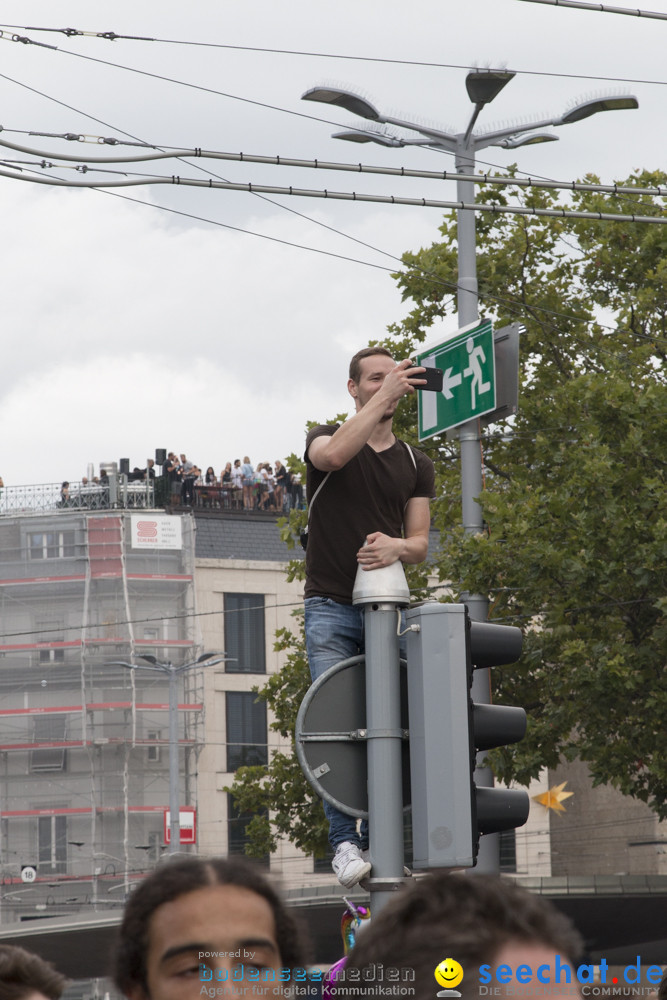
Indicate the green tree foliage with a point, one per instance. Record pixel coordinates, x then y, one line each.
574 499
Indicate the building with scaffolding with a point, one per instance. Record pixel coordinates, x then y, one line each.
84 764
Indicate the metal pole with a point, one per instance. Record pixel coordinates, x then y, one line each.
471 456
382 592
174 814
384 740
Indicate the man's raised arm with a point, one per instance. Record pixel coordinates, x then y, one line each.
375 402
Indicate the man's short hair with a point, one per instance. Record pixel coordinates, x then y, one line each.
22 974
177 878
466 917
367 352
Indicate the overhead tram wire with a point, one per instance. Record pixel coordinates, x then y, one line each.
285 208
384 60
602 8
165 152
558 213
182 154
229 96
450 285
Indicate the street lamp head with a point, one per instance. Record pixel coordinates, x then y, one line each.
514 141
360 136
588 108
148 657
483 86
343 99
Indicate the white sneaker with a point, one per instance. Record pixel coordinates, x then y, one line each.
366 855
348 865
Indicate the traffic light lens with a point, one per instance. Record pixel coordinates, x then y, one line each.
500 809
497 725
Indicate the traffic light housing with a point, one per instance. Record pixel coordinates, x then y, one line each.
447 728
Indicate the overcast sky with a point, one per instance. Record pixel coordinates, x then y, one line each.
129 327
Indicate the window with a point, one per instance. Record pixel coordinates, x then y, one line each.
51 545
507 849
244 633
246 730
52 844
50 632
237 825
153 751
49 729
52 655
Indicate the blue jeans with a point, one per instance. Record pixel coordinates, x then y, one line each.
334 632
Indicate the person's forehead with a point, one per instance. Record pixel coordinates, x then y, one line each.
376 364
219 916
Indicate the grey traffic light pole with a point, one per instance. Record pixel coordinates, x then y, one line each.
382 592
483 86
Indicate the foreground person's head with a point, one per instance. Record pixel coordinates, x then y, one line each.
209 923
481 923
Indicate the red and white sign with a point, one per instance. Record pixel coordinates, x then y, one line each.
187 817
156 531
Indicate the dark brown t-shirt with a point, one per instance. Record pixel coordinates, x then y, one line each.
368 494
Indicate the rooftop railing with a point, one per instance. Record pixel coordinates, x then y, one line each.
45 498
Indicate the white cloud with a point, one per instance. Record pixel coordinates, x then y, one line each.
127 328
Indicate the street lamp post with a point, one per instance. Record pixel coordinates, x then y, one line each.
483 86
173 673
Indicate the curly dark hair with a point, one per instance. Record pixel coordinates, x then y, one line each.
466 917
183 875
22 974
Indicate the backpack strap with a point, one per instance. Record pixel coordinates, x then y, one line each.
411 454
312 499
304 533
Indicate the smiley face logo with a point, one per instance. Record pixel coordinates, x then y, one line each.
448 973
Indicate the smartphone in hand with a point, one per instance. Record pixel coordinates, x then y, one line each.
434 380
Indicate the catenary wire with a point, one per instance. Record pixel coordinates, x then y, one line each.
112 36
559 213
209 90
161 152
451 285
270 201
602 7
231 96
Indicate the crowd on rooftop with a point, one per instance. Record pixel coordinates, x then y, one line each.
180 482
240 485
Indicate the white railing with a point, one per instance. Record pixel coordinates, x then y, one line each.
49 497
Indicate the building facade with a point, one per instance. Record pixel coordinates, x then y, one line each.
84 747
